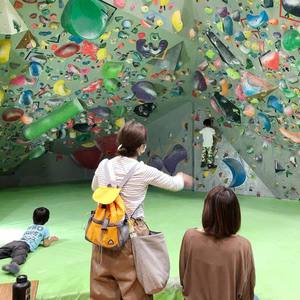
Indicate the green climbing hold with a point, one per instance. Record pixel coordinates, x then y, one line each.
220 26
111 85
289 93
291 40
249 64
210 54
254 101
85 18
57 117
233 74
119 111
111 69
208 10
36 152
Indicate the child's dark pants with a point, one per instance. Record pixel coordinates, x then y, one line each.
17 250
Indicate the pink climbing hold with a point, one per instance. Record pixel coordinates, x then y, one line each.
120 3
215 106
21 80
239 93
93 86
67 50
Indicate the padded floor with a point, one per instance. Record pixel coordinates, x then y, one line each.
273 227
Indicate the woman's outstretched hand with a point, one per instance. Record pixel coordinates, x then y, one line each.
188 180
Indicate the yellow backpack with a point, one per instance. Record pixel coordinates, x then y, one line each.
108 225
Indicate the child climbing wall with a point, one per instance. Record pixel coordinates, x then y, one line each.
208 134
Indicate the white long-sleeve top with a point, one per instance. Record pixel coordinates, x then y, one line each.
134 192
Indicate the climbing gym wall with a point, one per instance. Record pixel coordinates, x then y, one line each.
247 78
68 83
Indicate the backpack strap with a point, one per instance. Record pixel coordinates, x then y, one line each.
111 177
128 176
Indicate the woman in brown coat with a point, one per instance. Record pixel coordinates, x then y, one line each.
215 262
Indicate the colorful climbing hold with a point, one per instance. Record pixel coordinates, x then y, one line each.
291 40
67 50
85 18
5 47
111 69
57 117
60 89
177 21
257 21
145 91
12 114
26 98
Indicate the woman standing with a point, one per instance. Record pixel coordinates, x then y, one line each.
215 263
113 275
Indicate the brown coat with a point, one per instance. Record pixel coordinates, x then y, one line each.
212 269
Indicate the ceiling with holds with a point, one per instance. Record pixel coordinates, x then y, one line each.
72 72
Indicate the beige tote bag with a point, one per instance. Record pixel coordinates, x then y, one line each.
152 261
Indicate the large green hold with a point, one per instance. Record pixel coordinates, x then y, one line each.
291 40
111 69
85 18
54 119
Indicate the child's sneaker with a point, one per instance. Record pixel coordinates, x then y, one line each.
11 268
203 164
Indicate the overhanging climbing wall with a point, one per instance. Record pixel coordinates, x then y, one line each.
66 86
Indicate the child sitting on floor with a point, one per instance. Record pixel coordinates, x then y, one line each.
208 134
35 234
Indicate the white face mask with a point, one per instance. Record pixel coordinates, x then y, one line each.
142 149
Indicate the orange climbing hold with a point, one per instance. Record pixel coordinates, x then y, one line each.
224 87
293 136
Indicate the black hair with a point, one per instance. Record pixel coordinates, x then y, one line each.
207 122
41 216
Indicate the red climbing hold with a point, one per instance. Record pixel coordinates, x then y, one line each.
67 50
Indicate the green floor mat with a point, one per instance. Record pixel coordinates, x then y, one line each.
272 226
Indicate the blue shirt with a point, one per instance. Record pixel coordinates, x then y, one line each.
34 235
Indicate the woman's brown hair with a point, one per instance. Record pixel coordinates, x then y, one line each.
221 215
130 137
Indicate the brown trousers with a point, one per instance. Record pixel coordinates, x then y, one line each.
113 275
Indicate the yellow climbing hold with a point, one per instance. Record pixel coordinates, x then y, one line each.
2 95
120 122
220 26
105 36
60 89
5 46
247 34
176 21
163 2
44 45
88 144
144 9
255 47
159 22
102 54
